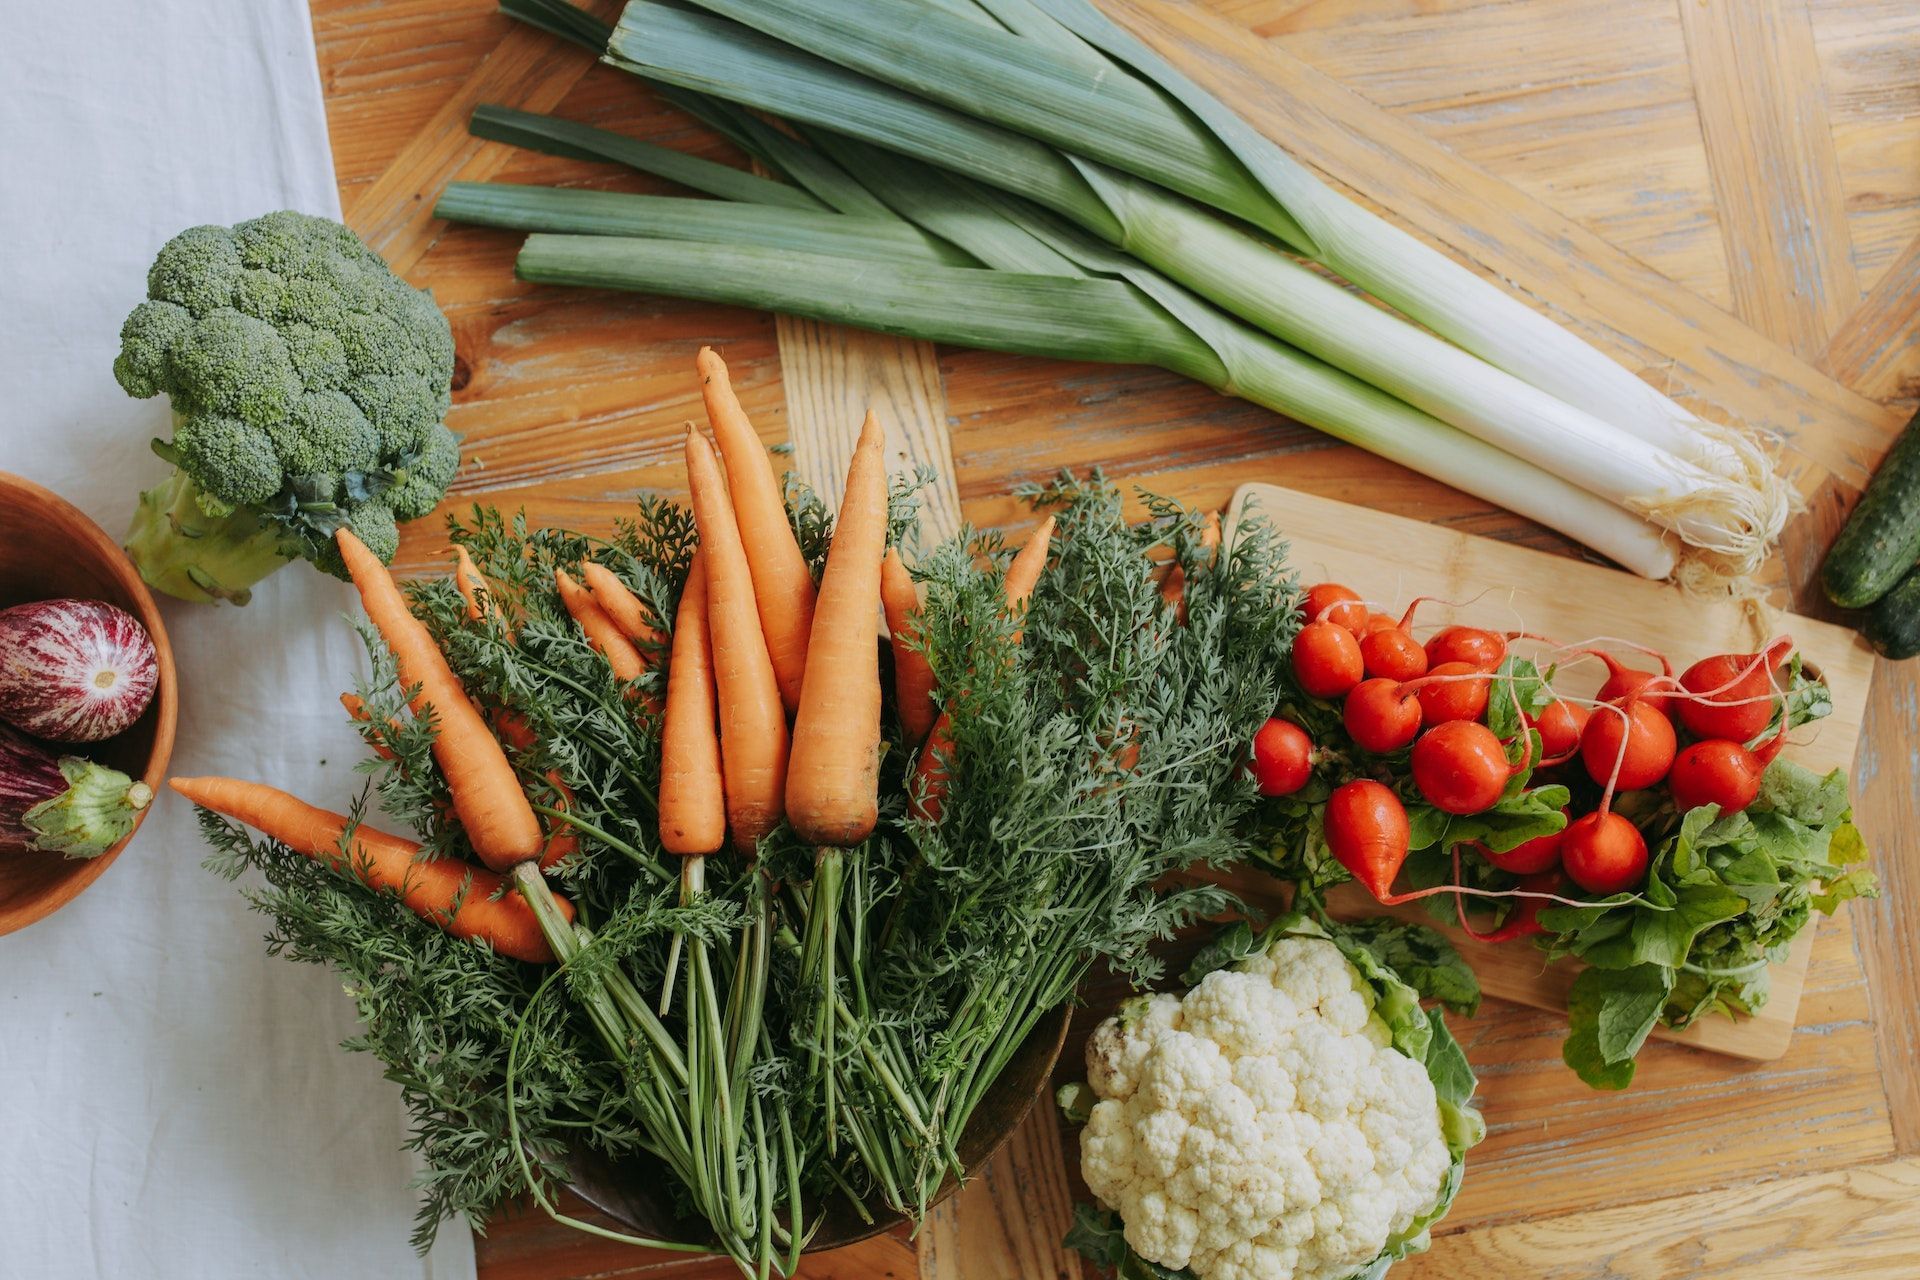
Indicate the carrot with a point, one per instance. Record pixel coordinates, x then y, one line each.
601 631
1173 588
693 805
464 900
783 587
833 780
472 585
357 708
929 771
486 793
620 604
912 674
753 722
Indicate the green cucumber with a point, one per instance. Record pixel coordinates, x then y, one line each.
1881 540
1893 624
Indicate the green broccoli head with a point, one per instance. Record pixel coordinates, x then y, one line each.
309 386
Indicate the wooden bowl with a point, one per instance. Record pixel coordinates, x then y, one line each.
49 550
635 1192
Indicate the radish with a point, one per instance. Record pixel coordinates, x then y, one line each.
1723 772
1460 767
1623 680
1560 724
1448 693
1326 659
1394 653
74 670
1368 833
1525 918
1474 646
63 805
1531 857
1331 602
1378 622
1604 853
1381 715
1282 757
1732 693
1628 747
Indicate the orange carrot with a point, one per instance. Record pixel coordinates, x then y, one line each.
1173 587
357 708
693 805
473 587
430 888
833 780
620 604
783 587
930 774
486 793
912 673
753 722
601 631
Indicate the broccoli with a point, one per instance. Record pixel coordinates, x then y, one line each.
309 386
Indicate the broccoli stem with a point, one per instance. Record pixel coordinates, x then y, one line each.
183 551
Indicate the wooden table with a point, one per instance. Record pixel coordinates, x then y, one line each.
1723 194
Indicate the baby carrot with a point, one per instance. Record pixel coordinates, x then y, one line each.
833 778
601 631
473 587
693 805
1173 588
620 604
486 793
783 587
912 673
464 900
753 721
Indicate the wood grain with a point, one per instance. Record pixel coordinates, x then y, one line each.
1011 1220
1776 178
1876 350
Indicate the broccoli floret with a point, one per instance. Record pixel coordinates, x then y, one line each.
309 386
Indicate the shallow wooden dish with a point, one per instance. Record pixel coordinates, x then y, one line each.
635 1192
49 549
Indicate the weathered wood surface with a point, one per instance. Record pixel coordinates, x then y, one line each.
1723 194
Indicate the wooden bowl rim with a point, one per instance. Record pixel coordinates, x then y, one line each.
166 703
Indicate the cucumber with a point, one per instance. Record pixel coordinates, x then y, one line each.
1881 541
1893 624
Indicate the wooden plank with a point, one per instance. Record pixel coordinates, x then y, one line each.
1876 349
1857 1223
1011 1220
1776 178
1714 363
1519 588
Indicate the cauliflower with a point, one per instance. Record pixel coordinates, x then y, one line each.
308 384
1272 1124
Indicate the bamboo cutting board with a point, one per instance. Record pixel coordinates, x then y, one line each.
1389 560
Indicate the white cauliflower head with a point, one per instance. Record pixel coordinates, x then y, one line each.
1262 1128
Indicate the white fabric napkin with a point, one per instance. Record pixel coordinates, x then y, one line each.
172 1100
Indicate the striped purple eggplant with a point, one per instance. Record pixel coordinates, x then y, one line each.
74 670
63 804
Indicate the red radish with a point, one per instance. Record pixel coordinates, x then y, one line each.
1282 757
1393 653
1478 648
1733 693
1446 695
1381 715
63 805
1542 853
1524 920
1460 767
1723 772
1604 853
1378 622
1623 680
1366 828
74 670
1649 745
1331 602
1560 724
1326 659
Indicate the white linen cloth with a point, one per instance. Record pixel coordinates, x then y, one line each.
172 1100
